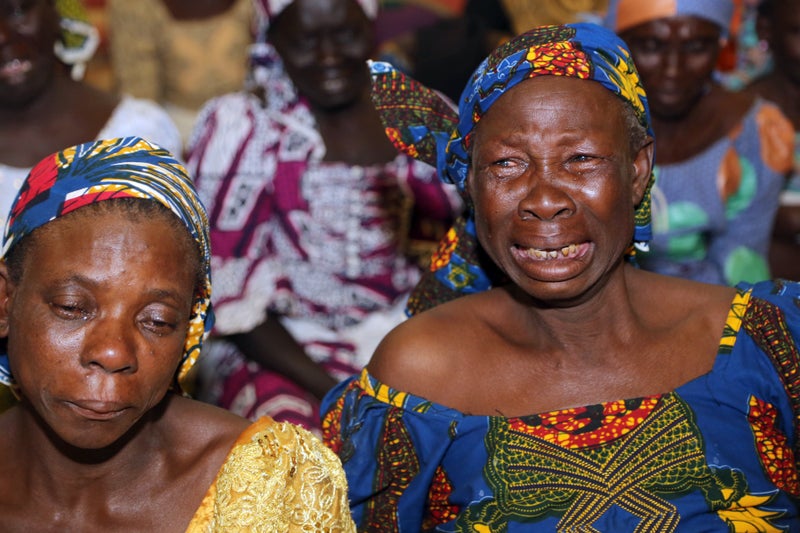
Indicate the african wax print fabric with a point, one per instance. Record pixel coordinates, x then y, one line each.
127 167
277 477
325 245
424 126
132 116
718 453
713 213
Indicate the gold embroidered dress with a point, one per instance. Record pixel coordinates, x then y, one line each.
278 477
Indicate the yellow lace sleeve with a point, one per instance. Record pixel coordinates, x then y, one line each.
277 477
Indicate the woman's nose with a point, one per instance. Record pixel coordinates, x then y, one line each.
543 196
110 347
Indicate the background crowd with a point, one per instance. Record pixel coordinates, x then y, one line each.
350 183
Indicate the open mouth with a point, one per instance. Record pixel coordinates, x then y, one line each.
570 251
15 69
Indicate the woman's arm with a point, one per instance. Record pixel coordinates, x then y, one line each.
274 348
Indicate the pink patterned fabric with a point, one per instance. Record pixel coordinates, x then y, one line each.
321 243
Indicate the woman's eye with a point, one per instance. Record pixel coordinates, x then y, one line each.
160 323
650 46
69 310
160 327
345 35
699 46
304 43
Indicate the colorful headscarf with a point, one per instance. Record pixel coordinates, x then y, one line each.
128 167
624 14
421 124
79 38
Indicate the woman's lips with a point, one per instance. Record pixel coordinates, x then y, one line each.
15 70
94 410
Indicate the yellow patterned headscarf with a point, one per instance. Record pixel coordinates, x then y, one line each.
79 38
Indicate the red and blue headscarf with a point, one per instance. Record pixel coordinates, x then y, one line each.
128 167
423 125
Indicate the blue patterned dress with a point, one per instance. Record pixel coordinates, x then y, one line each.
716 454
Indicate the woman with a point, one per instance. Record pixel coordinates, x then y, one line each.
105 293
311 210
723 156
180 53
777 24
574 392
44 105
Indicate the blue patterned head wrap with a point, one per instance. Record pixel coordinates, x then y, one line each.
424 126
128 167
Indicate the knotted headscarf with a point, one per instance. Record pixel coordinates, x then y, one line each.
128 167
624 14
424 126
79 38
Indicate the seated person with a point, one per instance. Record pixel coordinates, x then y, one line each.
104 298
44 103
179 53
778 24
559 387
315 217
723 156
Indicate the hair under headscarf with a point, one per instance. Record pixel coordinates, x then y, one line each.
96 171
79 38
624 14
421 124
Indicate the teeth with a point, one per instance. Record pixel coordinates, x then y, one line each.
566 251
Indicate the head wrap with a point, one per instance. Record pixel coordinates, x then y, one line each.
422 125
128 167
266 67
624 14
267 10
79 39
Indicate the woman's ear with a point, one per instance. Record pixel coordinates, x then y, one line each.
6 293
642 169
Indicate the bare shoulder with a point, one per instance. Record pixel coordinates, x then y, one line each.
423 352
681 297
206 423
202 435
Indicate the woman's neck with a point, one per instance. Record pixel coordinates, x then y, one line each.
354 134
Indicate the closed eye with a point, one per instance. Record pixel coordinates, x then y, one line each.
68 311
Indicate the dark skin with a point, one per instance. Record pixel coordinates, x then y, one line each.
779 25
324 45
569 328
676 57
42 109
97 443
197 9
